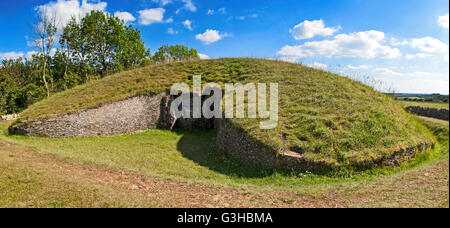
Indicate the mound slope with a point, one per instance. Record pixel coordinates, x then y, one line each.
325 120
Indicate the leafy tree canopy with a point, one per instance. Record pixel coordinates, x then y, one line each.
90 48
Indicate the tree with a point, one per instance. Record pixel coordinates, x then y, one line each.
103 43
68 40
43 33
20 84
167 54
76 50
96 45
101 35
131 51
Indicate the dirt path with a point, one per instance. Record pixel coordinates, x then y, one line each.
63 183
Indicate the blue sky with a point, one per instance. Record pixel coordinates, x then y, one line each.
403 43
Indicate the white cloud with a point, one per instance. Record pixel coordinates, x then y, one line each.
125 16
222 10
210 36
408 85
169 20
16 55
150 16
162 2
30 54
172 31
387 72
367 45
446 58
53 51
188 24
418 74
443 21
360 67
310 29
417 56
64 10
11 55
30 41
188 6
203 56
320 66
429 44
289 59
413 81
396 42
425 44
241 18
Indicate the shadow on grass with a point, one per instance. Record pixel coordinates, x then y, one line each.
200 147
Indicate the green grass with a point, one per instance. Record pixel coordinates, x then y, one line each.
330 119
193 157
24 187
28 182
35 180
424 104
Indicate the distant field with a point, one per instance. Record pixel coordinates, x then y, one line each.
424 104
433 120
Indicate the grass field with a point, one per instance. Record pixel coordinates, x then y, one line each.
130 171
424 104
329 118
332 121
183 155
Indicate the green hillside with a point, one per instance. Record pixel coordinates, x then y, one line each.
327 118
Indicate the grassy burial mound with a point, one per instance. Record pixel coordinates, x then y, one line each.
325 120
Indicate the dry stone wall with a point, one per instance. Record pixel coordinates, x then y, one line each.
150 112
133 114
241 147
129 115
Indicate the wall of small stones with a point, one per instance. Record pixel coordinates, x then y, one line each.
133 114
150 112
442 114
137 113
9 117
241 147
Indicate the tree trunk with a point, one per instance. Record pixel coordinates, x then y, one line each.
67 61
105 68
65 67
44 79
